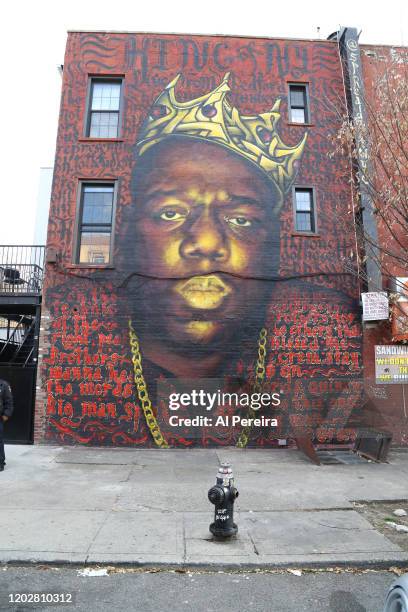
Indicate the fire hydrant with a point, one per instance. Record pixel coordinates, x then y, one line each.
223 496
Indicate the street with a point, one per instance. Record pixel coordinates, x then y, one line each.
145 591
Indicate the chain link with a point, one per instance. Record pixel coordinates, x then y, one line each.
147 407
258 384
142 390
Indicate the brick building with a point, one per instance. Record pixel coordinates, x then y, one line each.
200 232
385 79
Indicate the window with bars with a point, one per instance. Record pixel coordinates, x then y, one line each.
304 209
298 104
95 223
104 108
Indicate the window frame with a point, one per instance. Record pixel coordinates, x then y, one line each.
313 215
305 86
78 222
88 107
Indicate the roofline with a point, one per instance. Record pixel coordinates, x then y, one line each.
281 38
320 40
383 45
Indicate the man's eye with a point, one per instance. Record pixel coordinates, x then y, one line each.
171 215
239 221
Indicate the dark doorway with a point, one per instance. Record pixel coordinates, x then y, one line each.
19 429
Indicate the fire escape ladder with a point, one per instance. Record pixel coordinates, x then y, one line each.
19 346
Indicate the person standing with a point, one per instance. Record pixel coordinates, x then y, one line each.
6 410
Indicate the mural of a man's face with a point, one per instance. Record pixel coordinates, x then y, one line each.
205 225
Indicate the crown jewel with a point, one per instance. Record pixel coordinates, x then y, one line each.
212 118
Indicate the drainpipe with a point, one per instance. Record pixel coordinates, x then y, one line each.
350 53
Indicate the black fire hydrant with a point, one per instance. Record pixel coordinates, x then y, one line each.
223 496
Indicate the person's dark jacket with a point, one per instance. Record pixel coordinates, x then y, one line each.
6 399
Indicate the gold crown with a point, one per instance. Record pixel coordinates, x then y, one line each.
212 118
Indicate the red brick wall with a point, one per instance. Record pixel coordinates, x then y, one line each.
377 63
314 342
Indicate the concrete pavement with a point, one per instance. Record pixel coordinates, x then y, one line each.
150 507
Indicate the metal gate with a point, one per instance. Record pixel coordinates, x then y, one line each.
19 429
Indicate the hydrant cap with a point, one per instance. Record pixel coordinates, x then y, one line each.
225 474
216 495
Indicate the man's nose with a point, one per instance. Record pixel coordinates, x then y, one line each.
204 240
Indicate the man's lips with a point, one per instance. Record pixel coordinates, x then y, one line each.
203 292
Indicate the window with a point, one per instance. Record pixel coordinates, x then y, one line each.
304 210
95 223
104 108
298 104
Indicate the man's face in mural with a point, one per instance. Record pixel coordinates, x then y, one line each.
205 225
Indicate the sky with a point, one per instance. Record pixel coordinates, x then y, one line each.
32 44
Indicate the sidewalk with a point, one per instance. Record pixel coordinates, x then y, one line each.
150 507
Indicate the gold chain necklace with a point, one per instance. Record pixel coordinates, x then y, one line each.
144 398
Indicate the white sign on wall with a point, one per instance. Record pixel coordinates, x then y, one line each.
375 306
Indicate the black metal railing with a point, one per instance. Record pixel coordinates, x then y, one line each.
21 268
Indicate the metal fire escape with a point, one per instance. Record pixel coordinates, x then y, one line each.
18 345
21 277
